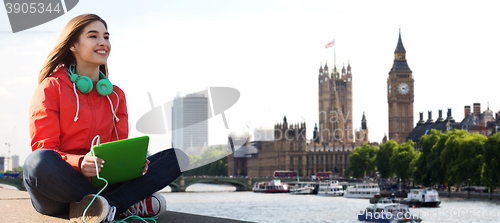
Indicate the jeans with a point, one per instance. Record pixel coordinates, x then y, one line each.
53 184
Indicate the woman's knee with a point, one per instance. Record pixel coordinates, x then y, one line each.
39 158
180 156
182 159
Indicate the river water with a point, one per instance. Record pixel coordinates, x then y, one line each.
222 201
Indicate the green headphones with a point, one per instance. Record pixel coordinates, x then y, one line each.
84 84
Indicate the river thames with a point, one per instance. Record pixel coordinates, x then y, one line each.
222 201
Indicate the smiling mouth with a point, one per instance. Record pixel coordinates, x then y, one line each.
101 52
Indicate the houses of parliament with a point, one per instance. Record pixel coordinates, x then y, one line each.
334 138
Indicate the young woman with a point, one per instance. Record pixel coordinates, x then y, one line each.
73 103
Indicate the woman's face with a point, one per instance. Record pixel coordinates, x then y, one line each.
93 46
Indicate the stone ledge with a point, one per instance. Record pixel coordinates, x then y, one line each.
15 206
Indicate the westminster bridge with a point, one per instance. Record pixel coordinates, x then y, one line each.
181 183
241 183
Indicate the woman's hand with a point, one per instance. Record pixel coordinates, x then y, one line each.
88 165
146 167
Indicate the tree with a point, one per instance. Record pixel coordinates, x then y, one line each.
463 156
422 172
356 163
471 157
401 159
212 162
449 153
383 158
362 160
491 163
435 164
413 167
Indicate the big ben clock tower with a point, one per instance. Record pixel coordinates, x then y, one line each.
400 96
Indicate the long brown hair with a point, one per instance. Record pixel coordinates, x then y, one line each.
60 54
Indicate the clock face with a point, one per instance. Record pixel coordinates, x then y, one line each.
389 89
403 88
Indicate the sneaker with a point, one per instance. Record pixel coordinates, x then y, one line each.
152 206
97 212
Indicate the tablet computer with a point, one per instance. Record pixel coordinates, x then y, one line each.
124 160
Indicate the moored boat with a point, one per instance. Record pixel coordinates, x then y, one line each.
303 188
427 197
362 190
330 188
274 186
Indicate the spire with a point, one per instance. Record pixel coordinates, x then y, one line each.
320 68
348 65
400 64
315 133
343 68
363 121
400 47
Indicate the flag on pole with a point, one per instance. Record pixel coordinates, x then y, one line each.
330 44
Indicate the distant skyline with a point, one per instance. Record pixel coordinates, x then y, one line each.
271 52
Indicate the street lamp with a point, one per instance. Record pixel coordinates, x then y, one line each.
491 187
400 184
449 186
468 190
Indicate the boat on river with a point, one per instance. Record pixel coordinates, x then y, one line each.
274 186
303 188
362 190
330 188
427 197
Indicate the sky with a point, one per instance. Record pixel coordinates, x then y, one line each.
271 52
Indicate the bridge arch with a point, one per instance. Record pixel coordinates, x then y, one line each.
240 186
175 187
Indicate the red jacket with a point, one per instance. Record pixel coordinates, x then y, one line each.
52 112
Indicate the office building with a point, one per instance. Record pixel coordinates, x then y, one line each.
190 122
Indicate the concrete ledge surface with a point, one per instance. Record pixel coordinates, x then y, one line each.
15 206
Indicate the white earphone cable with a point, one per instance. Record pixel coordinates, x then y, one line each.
77 103
112 109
